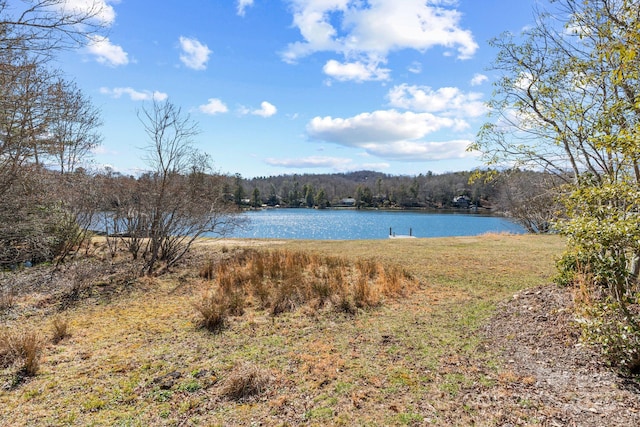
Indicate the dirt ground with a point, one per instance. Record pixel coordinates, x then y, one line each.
561 382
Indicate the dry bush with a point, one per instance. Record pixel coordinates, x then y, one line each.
213 311
322 288
60 329
284 298
395 281
207 271
22 348
363 294
345 303
246 380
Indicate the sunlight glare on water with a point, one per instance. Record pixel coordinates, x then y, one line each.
367 224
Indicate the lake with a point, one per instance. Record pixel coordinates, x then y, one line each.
349 224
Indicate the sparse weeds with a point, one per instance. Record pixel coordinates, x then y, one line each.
281 281
7 298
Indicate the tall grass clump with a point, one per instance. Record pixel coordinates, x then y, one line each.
213 311
21 348
281 280
60 329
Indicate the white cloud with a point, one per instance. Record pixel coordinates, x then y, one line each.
373 29
379 126
391 134
421 150
243 5
415 67
266 110
106 52
100 10
478 79
449 101
213 107
133 94
311 162
195 55
356 71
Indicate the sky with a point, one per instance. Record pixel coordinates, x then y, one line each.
299 86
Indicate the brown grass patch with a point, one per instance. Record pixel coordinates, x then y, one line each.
246 380
283 280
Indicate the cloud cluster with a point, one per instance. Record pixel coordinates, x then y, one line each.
243 5
266 110
106 52
448 101
391 134
99 10
312 162
383 126
356 71
364 33
217 106
195 54
338 164
407 131
134 95
213 107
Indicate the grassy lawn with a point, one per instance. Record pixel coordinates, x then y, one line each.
138 358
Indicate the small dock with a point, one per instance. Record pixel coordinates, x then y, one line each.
393 235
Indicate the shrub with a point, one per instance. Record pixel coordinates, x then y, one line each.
607 302
246 380
616 334
21 347
60 329
213 311
612 327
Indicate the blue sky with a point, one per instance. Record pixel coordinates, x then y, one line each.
299 86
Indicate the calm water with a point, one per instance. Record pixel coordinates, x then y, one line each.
353 225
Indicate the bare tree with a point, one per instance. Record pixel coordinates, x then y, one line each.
529 198
178 199
73 123
38 221
23 85
44 26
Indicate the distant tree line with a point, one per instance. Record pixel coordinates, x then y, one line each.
364 189
526 196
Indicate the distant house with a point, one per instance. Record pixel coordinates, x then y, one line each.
462 202
348 201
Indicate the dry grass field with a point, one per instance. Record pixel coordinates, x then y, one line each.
390 332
